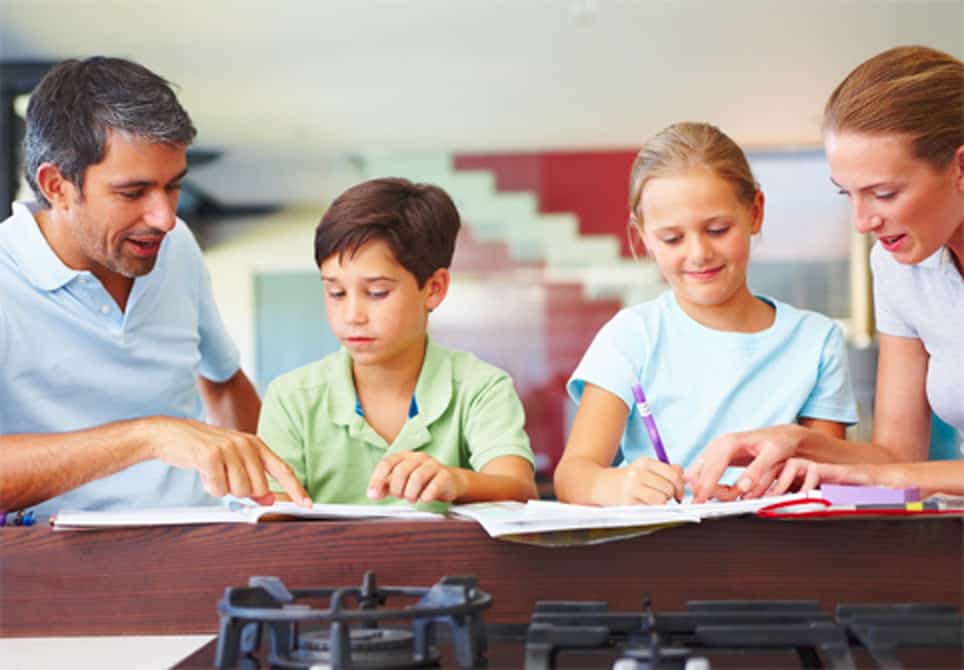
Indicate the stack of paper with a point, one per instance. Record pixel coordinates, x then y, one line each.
173 516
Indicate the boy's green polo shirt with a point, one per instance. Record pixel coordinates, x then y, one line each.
468 414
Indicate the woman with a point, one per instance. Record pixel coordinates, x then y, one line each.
894 137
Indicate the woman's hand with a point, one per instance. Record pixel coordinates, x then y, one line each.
763 452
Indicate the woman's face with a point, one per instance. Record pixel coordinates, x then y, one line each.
912 208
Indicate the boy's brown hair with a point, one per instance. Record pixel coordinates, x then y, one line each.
418 222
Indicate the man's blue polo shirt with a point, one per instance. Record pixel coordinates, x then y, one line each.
70 359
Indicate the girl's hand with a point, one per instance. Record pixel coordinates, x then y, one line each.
649 482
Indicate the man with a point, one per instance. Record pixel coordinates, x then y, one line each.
109 336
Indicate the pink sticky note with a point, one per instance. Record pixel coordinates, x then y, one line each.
841 494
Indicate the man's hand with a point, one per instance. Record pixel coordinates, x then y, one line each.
649 482
762 451
229 461
415 477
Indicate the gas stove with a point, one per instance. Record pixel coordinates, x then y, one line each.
266 626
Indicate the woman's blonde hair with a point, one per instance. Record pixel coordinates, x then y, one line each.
688 145
914 91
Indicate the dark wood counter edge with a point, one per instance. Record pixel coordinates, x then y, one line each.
167 580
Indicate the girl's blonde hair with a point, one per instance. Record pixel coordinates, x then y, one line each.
684 146
914 91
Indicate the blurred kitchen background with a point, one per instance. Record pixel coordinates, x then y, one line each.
528 112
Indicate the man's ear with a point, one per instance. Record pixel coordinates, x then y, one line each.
55 187
437 286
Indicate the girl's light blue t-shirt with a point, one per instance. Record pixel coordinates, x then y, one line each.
701 383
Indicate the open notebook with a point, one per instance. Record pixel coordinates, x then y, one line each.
235 513
500 519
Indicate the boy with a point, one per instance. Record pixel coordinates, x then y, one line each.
391 413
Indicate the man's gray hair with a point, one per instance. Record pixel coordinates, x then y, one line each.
78 103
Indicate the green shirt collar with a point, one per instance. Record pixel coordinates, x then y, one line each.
433 393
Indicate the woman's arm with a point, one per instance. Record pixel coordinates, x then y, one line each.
901 431
902 414
930 477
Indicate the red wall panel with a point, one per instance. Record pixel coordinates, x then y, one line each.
594 185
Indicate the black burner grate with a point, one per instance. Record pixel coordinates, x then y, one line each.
352 633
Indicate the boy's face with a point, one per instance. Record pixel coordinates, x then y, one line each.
375 307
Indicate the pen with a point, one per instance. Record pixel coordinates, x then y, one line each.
909 507
647 416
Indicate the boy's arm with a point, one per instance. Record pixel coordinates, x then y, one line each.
499 463
502 478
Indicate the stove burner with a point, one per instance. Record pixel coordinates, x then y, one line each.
455 602
365 628
370 648
682 640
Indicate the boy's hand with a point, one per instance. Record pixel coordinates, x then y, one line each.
415 477
650 482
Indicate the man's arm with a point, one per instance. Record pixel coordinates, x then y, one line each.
37 467
231 404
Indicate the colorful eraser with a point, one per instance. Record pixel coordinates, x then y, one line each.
841 494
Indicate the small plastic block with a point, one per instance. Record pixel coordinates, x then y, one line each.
841 494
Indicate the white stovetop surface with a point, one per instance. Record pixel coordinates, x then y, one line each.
151 652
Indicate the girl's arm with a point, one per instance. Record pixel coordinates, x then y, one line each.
584 474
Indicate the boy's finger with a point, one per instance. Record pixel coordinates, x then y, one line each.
417 481
381 472
399 477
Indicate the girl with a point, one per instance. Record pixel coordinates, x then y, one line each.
894 136
712 356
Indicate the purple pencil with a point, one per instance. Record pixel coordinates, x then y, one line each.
643 407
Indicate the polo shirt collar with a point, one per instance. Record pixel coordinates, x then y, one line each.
433 394
37 260
433 391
